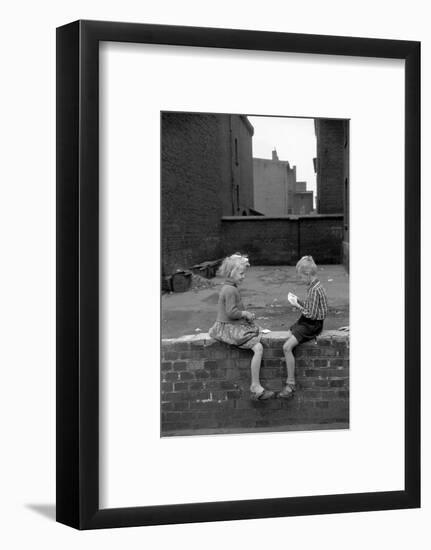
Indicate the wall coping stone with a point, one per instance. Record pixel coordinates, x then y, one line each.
327 337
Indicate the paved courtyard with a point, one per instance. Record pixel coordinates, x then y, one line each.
264 292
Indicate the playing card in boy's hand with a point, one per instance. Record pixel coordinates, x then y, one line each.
292 298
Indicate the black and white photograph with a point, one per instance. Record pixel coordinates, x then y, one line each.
212 229
255 273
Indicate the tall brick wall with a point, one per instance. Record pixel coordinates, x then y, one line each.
198 182
283 240
321 237
242 163
205 385
332 163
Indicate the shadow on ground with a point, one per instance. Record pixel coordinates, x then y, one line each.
46 510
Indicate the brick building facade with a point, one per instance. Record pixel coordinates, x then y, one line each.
332 172
331 164
206 172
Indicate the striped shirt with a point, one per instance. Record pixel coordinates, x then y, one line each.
316 304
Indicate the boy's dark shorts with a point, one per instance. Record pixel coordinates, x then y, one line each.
306 329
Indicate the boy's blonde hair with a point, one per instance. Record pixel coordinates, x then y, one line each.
233 263
307 266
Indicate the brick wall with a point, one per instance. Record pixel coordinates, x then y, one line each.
242 163
205 385
195 178
201 182
283 240
332 164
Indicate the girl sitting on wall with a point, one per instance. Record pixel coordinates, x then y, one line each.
235 325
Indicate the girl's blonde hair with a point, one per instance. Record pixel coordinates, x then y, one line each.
307 266
233 263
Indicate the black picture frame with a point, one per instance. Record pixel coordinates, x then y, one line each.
78 274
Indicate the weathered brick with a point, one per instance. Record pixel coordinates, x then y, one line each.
179 365
167 406
321 383
204 405
180 386
312 372
201 374
233 394
174 426
310 383
165 366
273 352
228 385
181 405
210 365
337 372
170 355
178 396
201 395
337 362
196 386
338 383
268 363
320 362
171 376
186 376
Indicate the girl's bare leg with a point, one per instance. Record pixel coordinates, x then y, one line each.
255 368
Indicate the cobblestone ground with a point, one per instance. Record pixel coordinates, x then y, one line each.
264 292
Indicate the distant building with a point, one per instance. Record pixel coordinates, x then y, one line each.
332 172
276 191
206 173
303 202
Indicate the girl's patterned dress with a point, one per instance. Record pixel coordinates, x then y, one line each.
230 327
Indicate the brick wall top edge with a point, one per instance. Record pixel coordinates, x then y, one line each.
270 338
266 218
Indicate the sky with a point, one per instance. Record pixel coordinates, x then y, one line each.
294 140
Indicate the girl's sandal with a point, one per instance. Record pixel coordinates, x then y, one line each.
261 396
288 391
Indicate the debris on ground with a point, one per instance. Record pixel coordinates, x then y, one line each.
207 269
199 282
